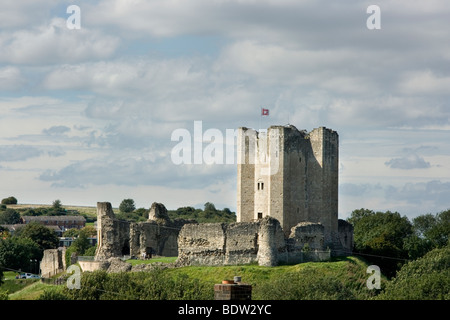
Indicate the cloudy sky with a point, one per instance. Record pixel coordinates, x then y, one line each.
87 114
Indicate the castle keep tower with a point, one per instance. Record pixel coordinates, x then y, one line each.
290 175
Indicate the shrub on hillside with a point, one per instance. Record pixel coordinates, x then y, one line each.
154 285
422 279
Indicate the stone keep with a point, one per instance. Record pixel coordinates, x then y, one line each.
290 175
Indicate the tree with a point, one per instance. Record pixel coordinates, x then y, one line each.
434 228
57 205
43 236
81 244
359 214
369 225
71 233
9 200
210 207
417 246
381 237
430 231
422 224
127 206
9 216
89 231
141 214
16 253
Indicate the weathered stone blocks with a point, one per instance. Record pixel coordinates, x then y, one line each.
262 242
117 238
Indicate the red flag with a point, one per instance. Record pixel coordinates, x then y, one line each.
265 112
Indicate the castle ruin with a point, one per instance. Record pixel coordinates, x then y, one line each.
287 209
116 238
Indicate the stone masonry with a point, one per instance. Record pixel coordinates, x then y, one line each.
262 242
116 238
287 209
53 262
290 175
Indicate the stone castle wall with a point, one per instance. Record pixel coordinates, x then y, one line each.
53 262
262 242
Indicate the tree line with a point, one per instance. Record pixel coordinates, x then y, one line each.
389 240
209 213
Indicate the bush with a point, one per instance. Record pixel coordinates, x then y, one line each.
306 285
91 286
422 279
4 295
9 216
52 294
154 285
9 200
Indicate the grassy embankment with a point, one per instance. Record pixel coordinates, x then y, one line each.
342 278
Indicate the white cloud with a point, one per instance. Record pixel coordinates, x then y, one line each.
11 78
127 77
98 104
157 170
412 161
54 43
18 152
424 82
25 13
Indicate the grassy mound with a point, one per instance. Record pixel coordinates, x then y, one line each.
342 278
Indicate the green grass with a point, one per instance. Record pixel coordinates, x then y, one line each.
16 285
9 275
254 274
30 292
340 278
11 284
134 262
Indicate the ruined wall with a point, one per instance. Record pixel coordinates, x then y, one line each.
158 235
308 233
153 237
345 237
53 262
202 244
261 242
113 235
241 242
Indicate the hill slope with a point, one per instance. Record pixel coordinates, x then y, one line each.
343 278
